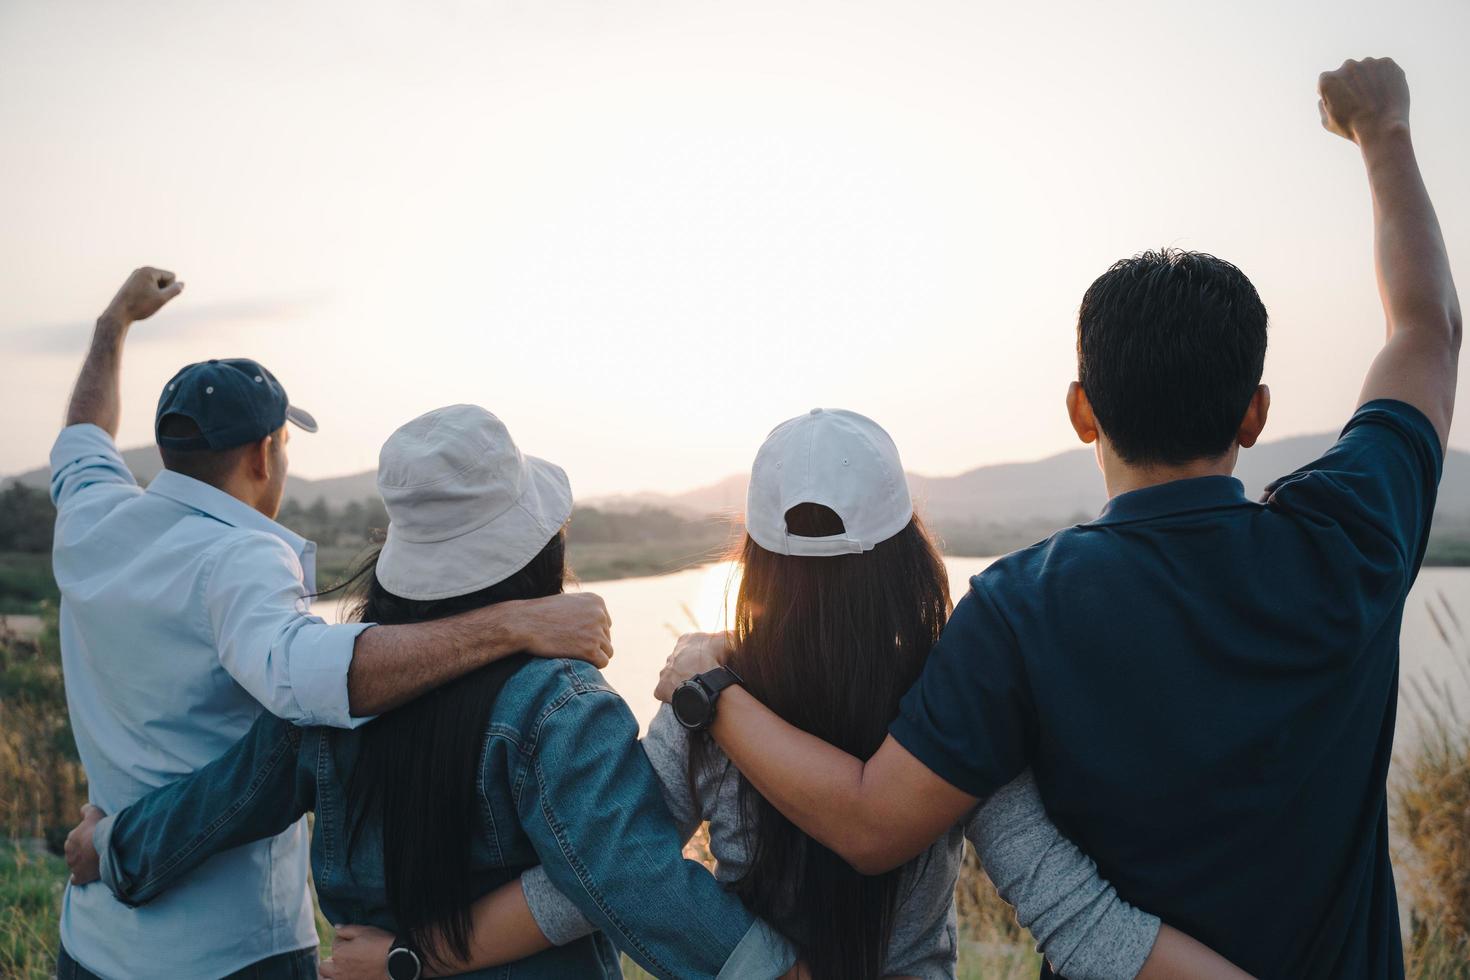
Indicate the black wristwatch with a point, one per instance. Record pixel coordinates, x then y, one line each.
694 700
403 960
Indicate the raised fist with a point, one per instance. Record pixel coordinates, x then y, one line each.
1364 99
144 294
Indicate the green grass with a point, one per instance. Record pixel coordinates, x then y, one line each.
30 910
25 581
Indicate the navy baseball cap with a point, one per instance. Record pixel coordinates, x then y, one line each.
234 402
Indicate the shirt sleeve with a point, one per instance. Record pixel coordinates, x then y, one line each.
254 791
1080 924
970 716
86 469
595 815
292 662
557 916
667 748
1375 489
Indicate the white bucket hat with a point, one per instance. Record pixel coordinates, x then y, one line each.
839 459
465 508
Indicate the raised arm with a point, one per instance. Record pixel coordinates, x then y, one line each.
95 398
1368 102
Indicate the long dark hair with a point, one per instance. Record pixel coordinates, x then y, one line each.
418 765
830 644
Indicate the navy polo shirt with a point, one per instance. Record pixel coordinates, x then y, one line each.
1206 686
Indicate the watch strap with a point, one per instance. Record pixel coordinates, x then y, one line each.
715 681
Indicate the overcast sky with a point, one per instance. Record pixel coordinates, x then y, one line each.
643 233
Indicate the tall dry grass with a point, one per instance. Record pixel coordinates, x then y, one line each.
1431 813
42 785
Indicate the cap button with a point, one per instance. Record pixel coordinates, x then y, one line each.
213 360
816 411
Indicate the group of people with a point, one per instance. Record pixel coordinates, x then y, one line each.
1165 731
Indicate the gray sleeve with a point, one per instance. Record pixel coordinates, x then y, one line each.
558 916
667 748
1080 924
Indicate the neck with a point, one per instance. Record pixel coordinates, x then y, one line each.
1122 477
246 492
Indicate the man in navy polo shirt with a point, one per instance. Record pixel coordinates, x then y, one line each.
1205 685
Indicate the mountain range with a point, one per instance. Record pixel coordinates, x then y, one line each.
1055 489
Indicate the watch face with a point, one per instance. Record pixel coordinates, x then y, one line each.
691 705
403 964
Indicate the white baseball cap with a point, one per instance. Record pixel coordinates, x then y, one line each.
465 509
839 459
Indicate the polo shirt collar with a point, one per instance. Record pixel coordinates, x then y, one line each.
1174 497
224 508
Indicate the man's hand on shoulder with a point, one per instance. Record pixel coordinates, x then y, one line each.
1363 100
144 293
81 856
575 625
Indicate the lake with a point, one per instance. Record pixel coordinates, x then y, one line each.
649 614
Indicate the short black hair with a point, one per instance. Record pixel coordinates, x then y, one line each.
1170 349
211 466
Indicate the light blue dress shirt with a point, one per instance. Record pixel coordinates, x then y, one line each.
183 612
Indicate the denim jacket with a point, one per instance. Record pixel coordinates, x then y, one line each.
563 783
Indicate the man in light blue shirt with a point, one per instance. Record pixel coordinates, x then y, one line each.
184 613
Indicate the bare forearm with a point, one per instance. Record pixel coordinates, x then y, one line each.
96 397
1413 267
875 814
502 931
392 665
816 785
395 664
1176 956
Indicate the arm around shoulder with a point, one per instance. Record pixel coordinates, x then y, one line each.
1081 925
597 820
255 790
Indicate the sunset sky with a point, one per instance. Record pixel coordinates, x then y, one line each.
645 232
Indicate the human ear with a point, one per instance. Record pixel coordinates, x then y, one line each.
1079 410
1254 419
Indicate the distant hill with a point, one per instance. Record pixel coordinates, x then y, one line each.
1044 492
1057 488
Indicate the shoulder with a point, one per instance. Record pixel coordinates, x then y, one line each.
550 696
1376 484
255 551
1381 436
667 741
